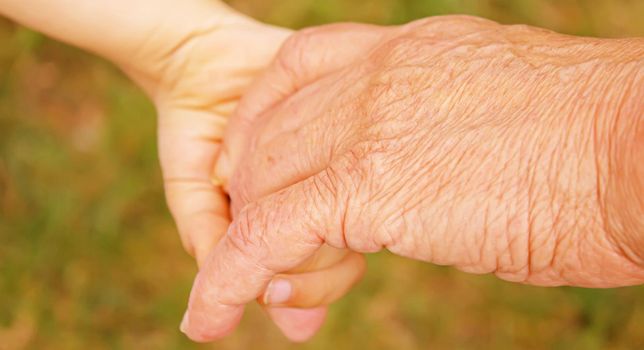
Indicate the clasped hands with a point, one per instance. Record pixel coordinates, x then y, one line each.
451 140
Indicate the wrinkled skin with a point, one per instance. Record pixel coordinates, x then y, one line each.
194 58
452 140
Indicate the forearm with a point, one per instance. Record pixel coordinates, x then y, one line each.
114 29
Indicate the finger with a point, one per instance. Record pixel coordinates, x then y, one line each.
290 156
188 146
316 288
298 325
324 258
304 144
196 210
270 236
287 159
304 58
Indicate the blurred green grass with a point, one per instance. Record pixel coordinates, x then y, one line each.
89 257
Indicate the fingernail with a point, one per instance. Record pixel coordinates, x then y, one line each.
184 323
278 292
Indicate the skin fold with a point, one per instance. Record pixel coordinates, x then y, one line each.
194 59
453 140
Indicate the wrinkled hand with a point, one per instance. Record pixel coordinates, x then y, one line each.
452 140
194 59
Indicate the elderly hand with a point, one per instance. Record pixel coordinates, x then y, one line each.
455 140
194 59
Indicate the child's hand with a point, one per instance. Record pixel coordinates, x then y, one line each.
194 58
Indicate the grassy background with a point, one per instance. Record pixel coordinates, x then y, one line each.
89 257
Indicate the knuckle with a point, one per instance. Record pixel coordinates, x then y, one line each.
518 28
354 180
362 227
302 41
306 37
375 218
445 25
352 169
396 51
390 88
327 185
523 29
247 233
293 53
357 237
296 51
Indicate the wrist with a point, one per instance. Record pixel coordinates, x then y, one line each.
622 153
588 150
196 54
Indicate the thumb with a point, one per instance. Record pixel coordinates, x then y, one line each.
270 236
305 57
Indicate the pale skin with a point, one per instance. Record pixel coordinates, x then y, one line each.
454 140
194 58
